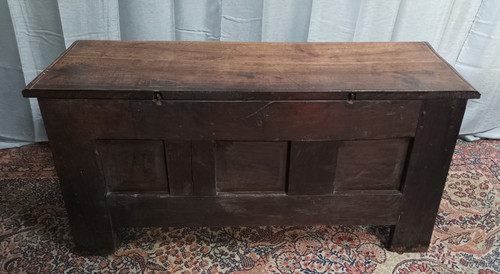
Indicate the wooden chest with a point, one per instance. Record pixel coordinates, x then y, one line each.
243 134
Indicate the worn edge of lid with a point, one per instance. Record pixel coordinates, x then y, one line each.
202 95
42 74
475 93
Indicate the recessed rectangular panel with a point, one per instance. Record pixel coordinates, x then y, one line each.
370 165
312 167
251 166
133 165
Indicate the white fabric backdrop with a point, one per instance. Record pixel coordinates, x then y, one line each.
33 33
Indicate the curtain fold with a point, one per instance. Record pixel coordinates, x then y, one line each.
33 33
40 40
458 25
285 21
137 19
92 20
241 20
479 62
16 121
382 14
197 20
333 23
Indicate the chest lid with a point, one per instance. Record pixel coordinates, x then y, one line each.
249 71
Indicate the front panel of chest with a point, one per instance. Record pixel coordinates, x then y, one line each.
202 148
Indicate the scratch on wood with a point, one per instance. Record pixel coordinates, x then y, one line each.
258 110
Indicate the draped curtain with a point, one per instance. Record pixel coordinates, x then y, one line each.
33 33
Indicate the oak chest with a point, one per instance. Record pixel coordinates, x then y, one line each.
230 134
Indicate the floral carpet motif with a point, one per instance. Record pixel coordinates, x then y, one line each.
34 231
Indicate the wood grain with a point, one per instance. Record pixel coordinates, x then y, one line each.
180 178
370 164
82 182
327 125
258 167
248 71
133 165
312 167
203 168
425 177
248 121
366 207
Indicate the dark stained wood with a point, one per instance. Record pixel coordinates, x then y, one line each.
351 208
271 120
80 176
191 133
231 70
426 174
133 165
312 167
180 178
203 168
251 166
249 120
374 164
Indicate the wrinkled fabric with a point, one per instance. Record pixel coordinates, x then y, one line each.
33 33
479 63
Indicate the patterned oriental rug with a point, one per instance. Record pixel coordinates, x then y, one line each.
34 231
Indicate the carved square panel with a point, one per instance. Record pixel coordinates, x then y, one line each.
371 164
133 165
251 166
